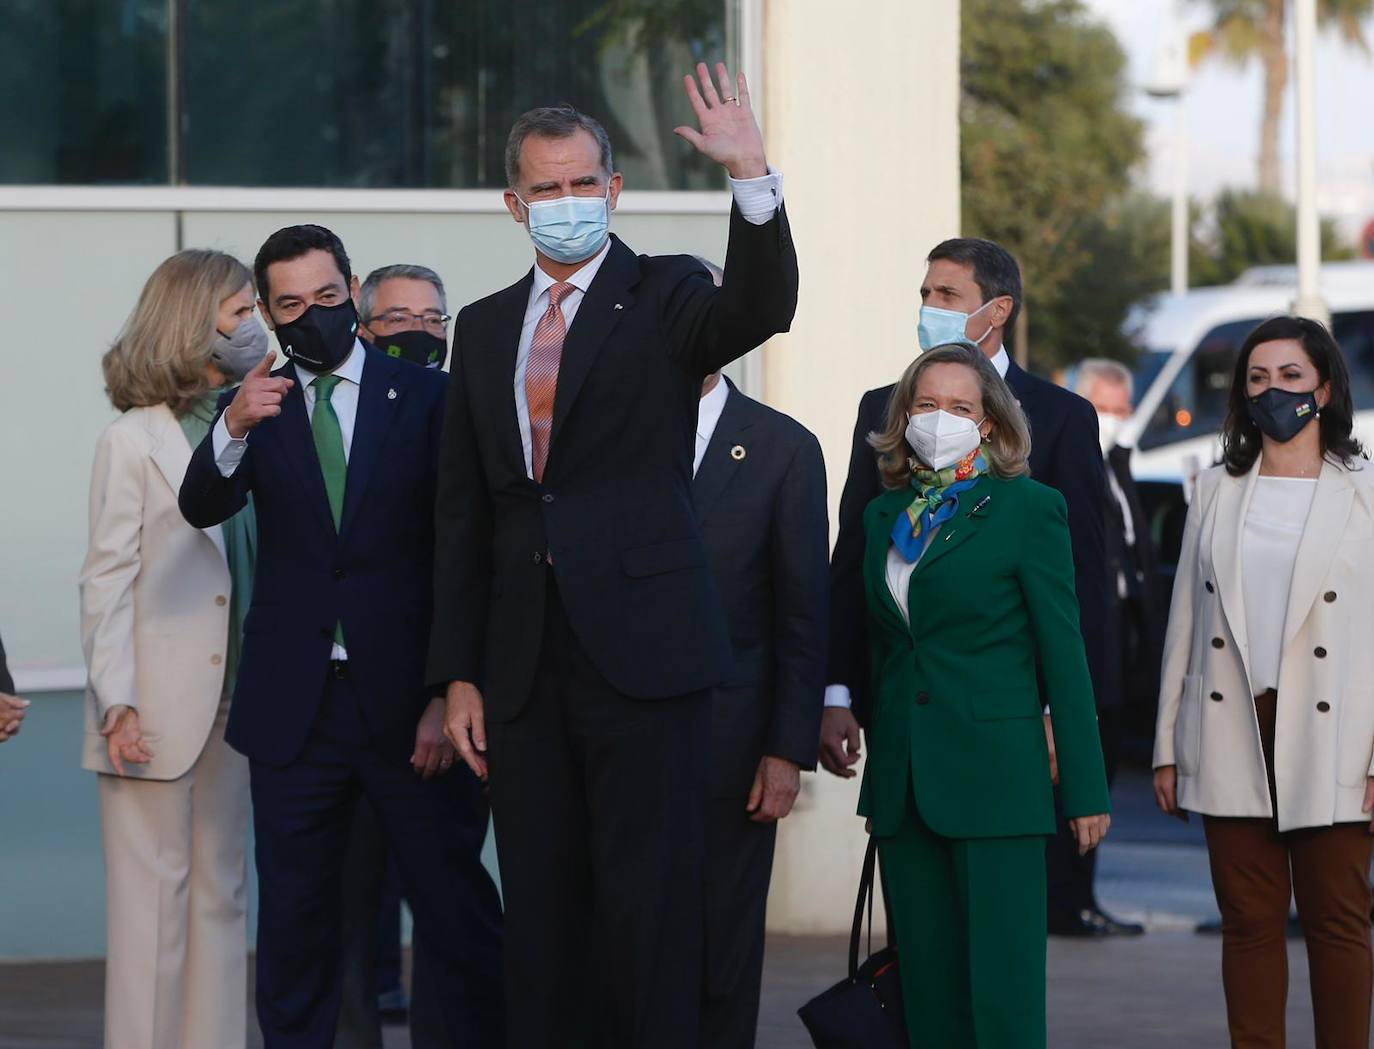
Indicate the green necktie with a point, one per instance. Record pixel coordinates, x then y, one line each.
330 449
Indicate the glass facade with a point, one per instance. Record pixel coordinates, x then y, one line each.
348 93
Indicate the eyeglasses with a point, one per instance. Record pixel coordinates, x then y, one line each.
404 320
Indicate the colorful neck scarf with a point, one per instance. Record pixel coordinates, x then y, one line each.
937 500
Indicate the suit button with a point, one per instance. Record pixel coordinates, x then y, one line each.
216 660
1329 596
1323 706
1218 643
221 600
1210 588
922 698
1216 697
547 497
538 558
1319 652
338 573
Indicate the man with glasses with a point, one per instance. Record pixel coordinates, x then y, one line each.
405 314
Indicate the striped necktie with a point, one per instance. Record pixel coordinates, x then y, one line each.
541 375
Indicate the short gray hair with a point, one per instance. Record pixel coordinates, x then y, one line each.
1100 369
367 295
558 121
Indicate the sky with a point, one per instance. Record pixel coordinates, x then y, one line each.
1223 113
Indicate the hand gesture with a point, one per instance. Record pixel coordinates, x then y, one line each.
776 784
257 399
12 711
125 739
839 742
729 133
465 725
433 752
1090 830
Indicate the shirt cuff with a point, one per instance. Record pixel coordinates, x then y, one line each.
758 199
229 451
838 696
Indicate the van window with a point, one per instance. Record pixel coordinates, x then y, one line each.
1354 333
1196 402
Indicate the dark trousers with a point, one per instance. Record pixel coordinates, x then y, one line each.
739 865
302 818
1069 877
599 800
1255 870
367 871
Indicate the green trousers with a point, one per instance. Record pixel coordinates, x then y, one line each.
970 922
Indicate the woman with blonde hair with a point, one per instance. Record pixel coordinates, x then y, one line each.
970 586
161 610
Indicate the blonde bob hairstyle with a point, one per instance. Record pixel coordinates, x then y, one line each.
1007 445
161 354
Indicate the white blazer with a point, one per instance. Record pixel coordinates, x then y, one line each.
1324 734
154 598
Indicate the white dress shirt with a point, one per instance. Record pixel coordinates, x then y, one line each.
1001 361
229 450
758 200
1269 549
708 416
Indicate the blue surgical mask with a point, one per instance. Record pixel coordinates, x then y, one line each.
569 229
942 327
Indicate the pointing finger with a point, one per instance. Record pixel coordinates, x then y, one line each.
264 367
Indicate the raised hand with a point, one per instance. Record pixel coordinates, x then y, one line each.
729 133
257 399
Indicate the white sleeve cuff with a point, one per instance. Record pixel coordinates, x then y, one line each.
759 198
838 696
229 451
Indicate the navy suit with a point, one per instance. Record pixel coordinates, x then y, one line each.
760 502
316 733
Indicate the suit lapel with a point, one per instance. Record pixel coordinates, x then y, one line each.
298 446
1331 504
1227 541
955 532
720 464
506 328
379 396
890 504
599 312
171 454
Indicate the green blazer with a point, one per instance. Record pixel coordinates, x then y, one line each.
958 700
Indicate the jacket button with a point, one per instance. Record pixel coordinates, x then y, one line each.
1329 596
922 698
548 498
221 600
1323 706
1218 643
1210 588
1216 697
216 660
338 573
1319 652
538 558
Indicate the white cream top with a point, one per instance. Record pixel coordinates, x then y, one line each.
899 571
1273 528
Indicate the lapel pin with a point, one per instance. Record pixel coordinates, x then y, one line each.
618 306
979 505
738 453
949 535
391 394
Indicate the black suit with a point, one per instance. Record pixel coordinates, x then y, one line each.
1065 455
760 501
584 608
318 734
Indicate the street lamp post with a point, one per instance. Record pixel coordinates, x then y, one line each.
1309 302
1168 81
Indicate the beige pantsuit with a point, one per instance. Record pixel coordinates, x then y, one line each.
155 626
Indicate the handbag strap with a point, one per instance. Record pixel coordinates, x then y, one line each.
864 902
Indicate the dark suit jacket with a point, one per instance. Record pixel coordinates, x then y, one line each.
614 510
1134 642
373 576
6 681
766 528
1065 455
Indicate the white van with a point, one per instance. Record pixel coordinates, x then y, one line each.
1188 353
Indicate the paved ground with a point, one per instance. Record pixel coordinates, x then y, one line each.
1158 992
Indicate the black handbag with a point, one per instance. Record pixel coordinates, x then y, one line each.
863 1011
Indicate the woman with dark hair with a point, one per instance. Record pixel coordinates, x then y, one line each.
1266 709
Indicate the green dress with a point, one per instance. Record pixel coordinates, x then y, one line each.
957 782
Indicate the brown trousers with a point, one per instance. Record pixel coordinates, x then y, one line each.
1255 869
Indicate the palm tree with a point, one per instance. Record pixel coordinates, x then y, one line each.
1245 29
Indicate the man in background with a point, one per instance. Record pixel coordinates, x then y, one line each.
404 313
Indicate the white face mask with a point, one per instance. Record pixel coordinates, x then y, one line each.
940 439
1109 430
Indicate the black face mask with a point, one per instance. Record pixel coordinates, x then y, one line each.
321 338
1282 414
416 345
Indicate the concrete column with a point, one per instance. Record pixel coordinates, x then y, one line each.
861 115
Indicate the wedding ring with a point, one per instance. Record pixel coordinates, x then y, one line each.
730 98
